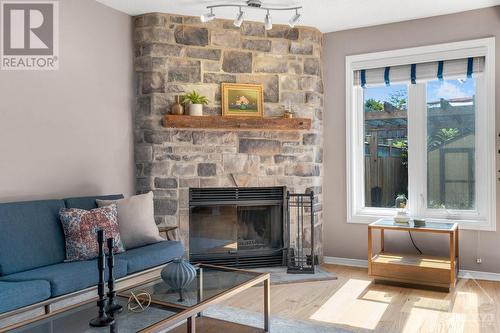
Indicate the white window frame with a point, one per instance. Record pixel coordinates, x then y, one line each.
484 217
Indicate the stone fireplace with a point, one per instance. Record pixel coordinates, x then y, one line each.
177 54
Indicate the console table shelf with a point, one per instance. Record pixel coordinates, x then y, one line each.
237 123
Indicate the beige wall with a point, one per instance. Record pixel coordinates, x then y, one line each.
349 240
69 132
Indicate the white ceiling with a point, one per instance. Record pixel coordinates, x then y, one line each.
326 15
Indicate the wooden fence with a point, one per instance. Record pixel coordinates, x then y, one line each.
385 178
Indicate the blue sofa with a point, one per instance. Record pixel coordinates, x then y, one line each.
32 253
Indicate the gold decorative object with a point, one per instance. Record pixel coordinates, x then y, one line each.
177 109
242 100
288 113
139 302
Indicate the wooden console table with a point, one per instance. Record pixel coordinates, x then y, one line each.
420 269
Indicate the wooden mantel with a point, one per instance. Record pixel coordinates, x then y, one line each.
237 123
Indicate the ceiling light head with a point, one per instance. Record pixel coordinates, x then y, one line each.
239 18
295 19
254 3
208 16
268 22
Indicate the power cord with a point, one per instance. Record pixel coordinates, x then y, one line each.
413 242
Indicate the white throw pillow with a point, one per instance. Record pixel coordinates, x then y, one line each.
135 220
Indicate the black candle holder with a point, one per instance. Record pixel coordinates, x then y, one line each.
102 319
112 307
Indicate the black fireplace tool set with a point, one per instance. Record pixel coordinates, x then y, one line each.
300 209
107 306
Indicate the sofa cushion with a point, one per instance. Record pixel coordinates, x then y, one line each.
68 277
80 230
89 203
15 295
136 220
31 235
152 255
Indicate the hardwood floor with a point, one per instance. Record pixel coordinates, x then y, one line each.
353 302
209 325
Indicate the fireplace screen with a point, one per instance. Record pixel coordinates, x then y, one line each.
237 224
257 229
213 229
228 229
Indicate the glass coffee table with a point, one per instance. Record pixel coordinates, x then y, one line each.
167 309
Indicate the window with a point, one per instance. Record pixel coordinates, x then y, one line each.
421 122
451 144
386 142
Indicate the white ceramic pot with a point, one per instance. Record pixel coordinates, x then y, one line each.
196 109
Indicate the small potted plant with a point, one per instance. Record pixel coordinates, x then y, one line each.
196 102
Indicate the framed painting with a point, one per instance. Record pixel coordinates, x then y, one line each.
242 100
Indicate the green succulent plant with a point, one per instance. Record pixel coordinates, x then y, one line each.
195 98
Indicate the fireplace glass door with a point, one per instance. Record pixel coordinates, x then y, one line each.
213 229
259 227
235 229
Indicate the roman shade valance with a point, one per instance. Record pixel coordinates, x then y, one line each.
415 73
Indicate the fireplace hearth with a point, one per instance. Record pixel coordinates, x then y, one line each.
240 227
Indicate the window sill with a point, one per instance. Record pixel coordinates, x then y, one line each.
479 225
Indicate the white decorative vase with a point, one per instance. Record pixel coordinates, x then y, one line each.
196 109
402 217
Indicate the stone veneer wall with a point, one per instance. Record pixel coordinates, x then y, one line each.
176 54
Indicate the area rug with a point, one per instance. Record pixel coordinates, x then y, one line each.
278 324
280 276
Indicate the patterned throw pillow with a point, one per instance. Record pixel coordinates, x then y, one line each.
80 230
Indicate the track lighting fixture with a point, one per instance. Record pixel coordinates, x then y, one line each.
268 22
239 19
254 4
208 16
295 19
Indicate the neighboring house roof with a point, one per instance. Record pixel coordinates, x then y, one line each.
448 142
462 101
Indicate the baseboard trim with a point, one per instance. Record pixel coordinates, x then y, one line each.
346 262
478 275
463 273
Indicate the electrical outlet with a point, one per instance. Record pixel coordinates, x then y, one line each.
479 260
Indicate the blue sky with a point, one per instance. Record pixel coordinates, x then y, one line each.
435 90
382 93
450 89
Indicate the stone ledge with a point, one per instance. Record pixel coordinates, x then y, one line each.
237 123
